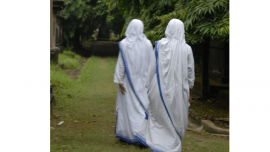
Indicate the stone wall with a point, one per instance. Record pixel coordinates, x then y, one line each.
56 26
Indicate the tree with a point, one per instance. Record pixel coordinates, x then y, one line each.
204 20
115 19
145 10
81 18
208 20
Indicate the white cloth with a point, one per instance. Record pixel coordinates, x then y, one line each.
136 50
168 91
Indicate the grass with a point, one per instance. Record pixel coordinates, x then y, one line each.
211 107
87 107
87 43
205 108
201 142
69 59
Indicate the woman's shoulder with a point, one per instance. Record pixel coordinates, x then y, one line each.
188 46
123 41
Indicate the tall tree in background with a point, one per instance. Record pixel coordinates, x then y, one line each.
145 10
204 20
81 18
115 19
208 20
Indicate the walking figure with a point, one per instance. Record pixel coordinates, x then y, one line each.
130 73
170 80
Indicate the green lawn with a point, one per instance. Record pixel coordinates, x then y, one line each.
69 59
87 107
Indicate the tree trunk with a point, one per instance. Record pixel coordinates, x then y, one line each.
76 40
68 42
205 71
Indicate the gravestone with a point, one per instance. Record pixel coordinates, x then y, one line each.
54 55
58 38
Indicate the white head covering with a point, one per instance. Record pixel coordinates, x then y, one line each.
134 32
136 51
173 62
131 71
175 30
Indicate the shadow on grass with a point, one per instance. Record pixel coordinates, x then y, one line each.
141 146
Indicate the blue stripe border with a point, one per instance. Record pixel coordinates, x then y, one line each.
143 141
129 80
121 136
126 139
160 92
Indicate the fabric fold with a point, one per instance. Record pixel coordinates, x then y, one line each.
170 78
131 70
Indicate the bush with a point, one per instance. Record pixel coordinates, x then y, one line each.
69 59
69 62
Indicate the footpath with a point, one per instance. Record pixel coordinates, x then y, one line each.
85 102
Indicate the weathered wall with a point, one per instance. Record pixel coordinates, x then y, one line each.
51 22
55 30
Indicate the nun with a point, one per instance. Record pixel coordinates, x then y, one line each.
169 82
130 73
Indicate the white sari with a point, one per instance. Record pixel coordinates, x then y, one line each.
170 77
131 71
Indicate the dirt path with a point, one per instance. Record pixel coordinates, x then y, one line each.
88 112
75 73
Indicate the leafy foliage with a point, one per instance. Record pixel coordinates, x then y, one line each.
202 18
82 17
70 60
115 18
208 18
145 10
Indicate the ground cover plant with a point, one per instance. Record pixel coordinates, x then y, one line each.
87 107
